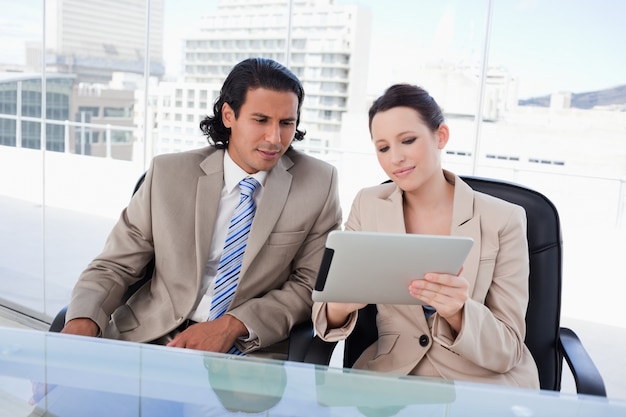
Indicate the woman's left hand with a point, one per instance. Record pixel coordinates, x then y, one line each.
446 293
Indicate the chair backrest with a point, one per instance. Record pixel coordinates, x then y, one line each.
544 306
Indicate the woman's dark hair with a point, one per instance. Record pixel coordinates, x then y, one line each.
412 96
251 73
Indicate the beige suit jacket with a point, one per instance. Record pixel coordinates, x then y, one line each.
172 217
490 346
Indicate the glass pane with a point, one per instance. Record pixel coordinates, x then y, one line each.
96 141
436 45
21 158
562 133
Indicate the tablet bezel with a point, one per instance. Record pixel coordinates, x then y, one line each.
376 268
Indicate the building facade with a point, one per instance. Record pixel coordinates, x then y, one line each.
178 108
20 110
104 121
78 42
327 47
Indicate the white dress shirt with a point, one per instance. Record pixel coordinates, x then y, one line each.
229 199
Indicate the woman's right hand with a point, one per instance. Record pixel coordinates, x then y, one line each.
337 313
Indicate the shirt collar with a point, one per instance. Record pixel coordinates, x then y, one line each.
233 174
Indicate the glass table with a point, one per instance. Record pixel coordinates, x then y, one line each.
80 376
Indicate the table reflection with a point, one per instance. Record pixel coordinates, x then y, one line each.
96 377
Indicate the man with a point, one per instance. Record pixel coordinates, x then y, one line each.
180 215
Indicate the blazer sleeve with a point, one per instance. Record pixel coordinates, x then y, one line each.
127 251
320 321
320 324
492 334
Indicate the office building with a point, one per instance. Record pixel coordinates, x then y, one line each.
457 88
81 118
327 48
20 110
78 42
104 121
178 108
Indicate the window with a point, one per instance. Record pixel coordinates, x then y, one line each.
115 112
569 145
120 136
91 110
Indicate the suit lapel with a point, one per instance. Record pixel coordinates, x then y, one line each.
465 222
390 213
275 192
208 193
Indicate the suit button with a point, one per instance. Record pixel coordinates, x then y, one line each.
424 340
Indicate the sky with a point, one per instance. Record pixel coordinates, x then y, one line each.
572 45
548 45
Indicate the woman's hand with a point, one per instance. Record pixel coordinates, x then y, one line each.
337 313
446 293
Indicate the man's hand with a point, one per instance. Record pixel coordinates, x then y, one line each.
82 327
218 335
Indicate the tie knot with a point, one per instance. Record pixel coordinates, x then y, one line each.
248 185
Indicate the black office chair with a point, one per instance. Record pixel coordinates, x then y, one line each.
548 342
299 337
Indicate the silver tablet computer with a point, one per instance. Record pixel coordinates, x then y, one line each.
376 268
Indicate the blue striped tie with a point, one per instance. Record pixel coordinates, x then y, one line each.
234 248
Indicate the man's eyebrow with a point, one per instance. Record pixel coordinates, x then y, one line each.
265 116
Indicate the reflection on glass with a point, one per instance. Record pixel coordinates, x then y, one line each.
242 388
96 377
21 161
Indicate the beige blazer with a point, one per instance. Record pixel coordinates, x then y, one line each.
490 347
172 216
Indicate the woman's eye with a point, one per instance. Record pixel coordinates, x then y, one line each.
409 141
383 149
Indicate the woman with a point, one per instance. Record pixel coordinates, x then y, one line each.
473 326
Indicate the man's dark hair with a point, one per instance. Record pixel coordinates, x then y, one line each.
250 74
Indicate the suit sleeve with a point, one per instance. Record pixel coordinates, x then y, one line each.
320 321
127 251
492 334
272 315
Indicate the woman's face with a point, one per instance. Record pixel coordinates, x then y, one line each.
407 150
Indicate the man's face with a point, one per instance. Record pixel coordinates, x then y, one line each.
264 129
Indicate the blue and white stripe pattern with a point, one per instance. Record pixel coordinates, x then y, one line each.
234 248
